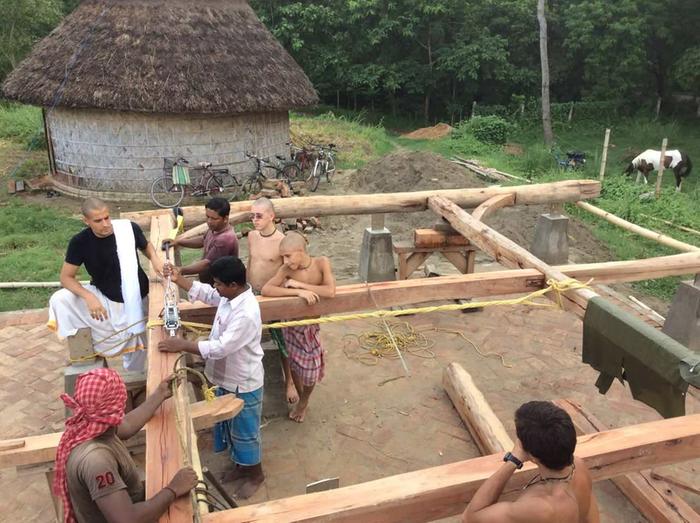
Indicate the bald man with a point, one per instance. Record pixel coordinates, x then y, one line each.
113 305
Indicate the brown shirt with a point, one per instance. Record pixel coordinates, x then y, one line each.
97 468
217 245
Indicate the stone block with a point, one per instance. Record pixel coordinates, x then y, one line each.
683 319
551 242
376 256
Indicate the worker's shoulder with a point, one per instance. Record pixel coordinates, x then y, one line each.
90 454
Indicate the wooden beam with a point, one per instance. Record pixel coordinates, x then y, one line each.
641 231
486 429
356 297
652 497
506 251
492 205
564 191
164 456
432 238
33 450
443 491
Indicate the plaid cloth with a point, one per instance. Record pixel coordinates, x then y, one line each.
241 434
305 352
98 404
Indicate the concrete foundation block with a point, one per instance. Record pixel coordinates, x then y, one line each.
551 243
683 320
377 256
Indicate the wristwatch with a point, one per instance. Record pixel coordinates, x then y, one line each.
515 461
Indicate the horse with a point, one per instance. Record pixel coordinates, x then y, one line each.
676 160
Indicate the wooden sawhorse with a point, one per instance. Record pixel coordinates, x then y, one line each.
411 257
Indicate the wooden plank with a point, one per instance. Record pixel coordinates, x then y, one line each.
356 297
164 456
347 204
459 260
492 205
432 238
641 231
653 498
486 429
506 251
443 491
402 247
33 450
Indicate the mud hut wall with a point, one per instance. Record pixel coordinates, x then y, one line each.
123 152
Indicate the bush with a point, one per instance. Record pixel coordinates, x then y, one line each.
488 129
20 123
29 168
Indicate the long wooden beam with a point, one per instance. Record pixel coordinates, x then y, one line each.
653 498
443 491
556 192
641 231
164 456
33 450
506 251
356 297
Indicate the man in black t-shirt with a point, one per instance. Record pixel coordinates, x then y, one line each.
113 304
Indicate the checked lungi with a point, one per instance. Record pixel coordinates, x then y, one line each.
305 352
241 434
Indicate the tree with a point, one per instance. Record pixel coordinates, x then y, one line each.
544 60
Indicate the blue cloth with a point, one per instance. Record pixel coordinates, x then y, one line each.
241 434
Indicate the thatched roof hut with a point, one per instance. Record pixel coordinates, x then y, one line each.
140 80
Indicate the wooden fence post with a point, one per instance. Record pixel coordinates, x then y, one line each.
473 110
662 166
604 159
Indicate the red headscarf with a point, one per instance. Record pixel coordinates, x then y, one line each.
98 404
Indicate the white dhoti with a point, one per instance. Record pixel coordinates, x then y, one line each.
68 313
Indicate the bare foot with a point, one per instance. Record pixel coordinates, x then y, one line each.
233 475
292 394
249 487
298 412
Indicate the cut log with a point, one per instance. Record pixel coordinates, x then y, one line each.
641 231
652 497
506 251
356 297
492 205
431 238
164 456
34 450
443 491
565 191
486 429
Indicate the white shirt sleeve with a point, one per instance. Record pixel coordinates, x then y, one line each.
239 331
204 293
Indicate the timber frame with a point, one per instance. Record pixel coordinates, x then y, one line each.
442 491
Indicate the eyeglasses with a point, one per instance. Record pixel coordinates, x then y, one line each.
256 215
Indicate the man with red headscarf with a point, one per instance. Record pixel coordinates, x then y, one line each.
95 474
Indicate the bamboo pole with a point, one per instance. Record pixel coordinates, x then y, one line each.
34 284
641 231
662 166
681 227
604 159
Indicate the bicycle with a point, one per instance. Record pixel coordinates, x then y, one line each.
324 164
170 189
304 159
287 170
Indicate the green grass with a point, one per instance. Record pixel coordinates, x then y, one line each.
22 124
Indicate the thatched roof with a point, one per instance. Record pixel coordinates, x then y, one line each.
165 56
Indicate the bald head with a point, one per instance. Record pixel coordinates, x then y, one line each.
92 204
293 241
263 204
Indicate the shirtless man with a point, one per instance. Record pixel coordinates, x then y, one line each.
264 260
311 279
561 492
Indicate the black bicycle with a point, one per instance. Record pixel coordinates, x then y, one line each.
286 170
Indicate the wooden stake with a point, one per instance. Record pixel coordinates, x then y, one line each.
662 166
604 159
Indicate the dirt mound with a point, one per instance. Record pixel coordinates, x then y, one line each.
430 133
411 171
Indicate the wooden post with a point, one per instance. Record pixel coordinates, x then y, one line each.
662 166
473 114
571 112
604 159
658 108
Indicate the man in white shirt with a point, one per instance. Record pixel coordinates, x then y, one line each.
233 357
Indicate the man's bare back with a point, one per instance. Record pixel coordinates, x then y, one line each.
264 257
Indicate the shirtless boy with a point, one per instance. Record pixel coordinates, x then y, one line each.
310 279
559 493
264 260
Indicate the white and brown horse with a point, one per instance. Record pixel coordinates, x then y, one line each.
676 160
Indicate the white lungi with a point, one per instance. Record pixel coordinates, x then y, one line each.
68 313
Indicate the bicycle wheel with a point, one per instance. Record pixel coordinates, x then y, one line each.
252 185
223 185
165 193
318 171
292 173
330 168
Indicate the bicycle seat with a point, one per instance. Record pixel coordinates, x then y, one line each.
280 157
204 165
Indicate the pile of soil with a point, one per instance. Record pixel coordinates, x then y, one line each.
430 133
411 171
